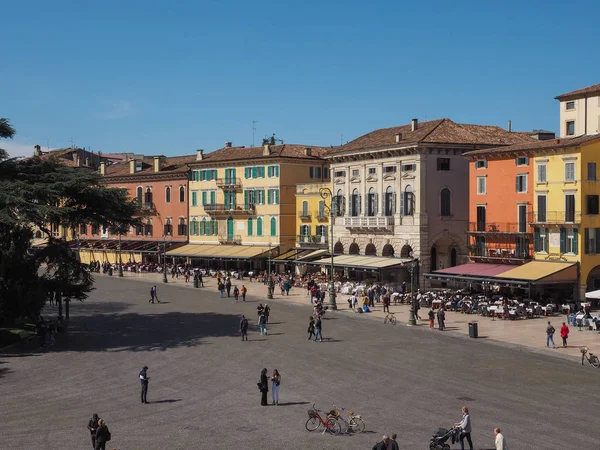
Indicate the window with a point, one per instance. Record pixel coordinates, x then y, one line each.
168 195
355 172
372 170
522 183
541 173
273 197
371 203
522 161
168 228
592 240
148 196
254 172
592 204
182 227
570 106
570 128
83 228
481 164
208 175
204 197
570 171
322 212
408 167
194 176
273 171
443 164
481 185
273 226
326 173
181 194
481 218
390 202
304 212
541 208
322 233
445 202
355 203
250 226
569 208
139 197
304 231
407 201
591 166
522 217
148 227
338 204
195 198
259 223
194 227
214 227
340 173
568 241
540 240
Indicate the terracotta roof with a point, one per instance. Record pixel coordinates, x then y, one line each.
441 131
296 151
595 89
173 164
537 145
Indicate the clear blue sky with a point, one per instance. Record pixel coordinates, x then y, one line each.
170 77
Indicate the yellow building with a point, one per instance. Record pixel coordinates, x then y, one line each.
312 220
242 203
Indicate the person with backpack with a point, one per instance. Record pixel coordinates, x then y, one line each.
93 426
102 435
244 328
236 293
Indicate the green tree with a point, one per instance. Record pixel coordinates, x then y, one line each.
35 193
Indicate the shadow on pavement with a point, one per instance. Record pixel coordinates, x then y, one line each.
166 401
4 371
293 403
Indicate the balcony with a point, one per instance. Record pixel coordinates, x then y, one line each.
368 223
315 241
481 228
146 208
230 239
556 217
507 254
215 209
304 215
229 182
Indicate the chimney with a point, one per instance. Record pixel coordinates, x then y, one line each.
227 144
414 125
398 137
102 168
308 151
266 150
200 154
158 162
37 150
509 126
132 166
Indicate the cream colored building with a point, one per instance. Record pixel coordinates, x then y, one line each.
580 112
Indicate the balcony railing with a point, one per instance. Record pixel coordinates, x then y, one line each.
304 215
480 252
230 239
311 239
368 222
498 227
220 208
229 182
556 217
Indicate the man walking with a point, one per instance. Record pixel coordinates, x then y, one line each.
228 286
144 381
441 316
243 291
93 426
386 303
262 324
153 295
318 330
244 328
236 293
550 335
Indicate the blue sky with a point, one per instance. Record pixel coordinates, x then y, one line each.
170 77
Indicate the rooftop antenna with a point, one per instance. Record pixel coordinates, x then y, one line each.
253 130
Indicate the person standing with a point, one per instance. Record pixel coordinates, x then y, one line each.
200 280
564 333
244 328
144 382
236 293
384 444
441 316
151 295
500 441
311 328
102 435
267 312
394 443
243 291
221 288
431 315
262 324
550 335
318 329
386 303
275 383
263 386
465 429
93 426
228 286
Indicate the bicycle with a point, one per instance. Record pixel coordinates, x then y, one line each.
354 423
315 421
592 359
390 317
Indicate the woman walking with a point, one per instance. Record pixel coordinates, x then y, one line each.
311 328
465 429
276 382
263 386
564 333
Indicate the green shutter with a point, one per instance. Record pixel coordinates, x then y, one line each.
203 198
277 196
536 240
246 205
270 197
276 171
259 226
202 175
270 171
233 175
263 197
254 172
214 177
213 196
194 199
563 240
575 241
250 226
273 226
246 172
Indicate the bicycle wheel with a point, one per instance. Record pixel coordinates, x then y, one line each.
357 424
594 361
312 423
333 426
393 320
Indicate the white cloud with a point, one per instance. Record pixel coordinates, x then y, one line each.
15 148
117 110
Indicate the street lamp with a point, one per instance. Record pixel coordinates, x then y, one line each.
412 320
325 193
270 284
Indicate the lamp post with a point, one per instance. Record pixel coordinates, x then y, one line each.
270 286
325 193
412 319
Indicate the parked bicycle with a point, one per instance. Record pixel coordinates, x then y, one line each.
315 420
353 423
591 358
389 317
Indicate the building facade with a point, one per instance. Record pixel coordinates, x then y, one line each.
312 220
580 111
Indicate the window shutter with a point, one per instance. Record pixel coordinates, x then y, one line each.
262 200
255 172
277 196
213 199
273 226
359 205
394 203
246 172
259 227
250 231
402 195
596 232
246 205
575 241
527 160
233 175
517 184
202 175
536 240
276 171
376 199
563 240
269 197
586 241
547 240
311 172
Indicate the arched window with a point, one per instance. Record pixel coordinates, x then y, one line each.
338 204
140 195
204 227
181 194
338 249
390 202
408 201
354 249
182 227
446 209
370 250
168 194
273 226
406 251
453 257
371 202
355 204
259 224
148 196
304 212
388 251
214 227
250 226
168 227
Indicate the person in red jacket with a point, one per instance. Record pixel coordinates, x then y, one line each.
564 333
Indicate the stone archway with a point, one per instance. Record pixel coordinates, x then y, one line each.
453 257
370 250
338 249
388 251
354 249
406 251
593 279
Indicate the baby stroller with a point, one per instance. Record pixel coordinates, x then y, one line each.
439 438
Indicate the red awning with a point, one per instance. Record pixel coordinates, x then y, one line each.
479 269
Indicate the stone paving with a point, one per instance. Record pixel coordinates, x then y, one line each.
203 379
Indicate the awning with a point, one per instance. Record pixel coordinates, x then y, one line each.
364 262
313 255
593 295
126 245
479 269
39 242
290 254
220 251
543 271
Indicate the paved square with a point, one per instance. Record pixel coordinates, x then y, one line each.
203 390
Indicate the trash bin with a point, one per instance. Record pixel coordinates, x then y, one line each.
473 329
110 271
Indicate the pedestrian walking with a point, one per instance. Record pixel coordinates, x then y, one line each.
259 310
564 333
262 324
243 291
267 312
465 429
287 286
417 308
500 441
144 383
441 316
236 294
228 286
244 328
263 387
153 295
550 335
394 443
318 330
384 444
93 426
275 383
386 303
431 315
102 435
200 280
311 328
221 288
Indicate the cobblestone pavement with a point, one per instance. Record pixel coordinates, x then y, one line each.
203 390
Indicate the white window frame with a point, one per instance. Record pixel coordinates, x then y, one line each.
524 184
543 238
481 181
539 178
569 240
567 164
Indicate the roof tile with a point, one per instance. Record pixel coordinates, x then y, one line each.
536 145
595 89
